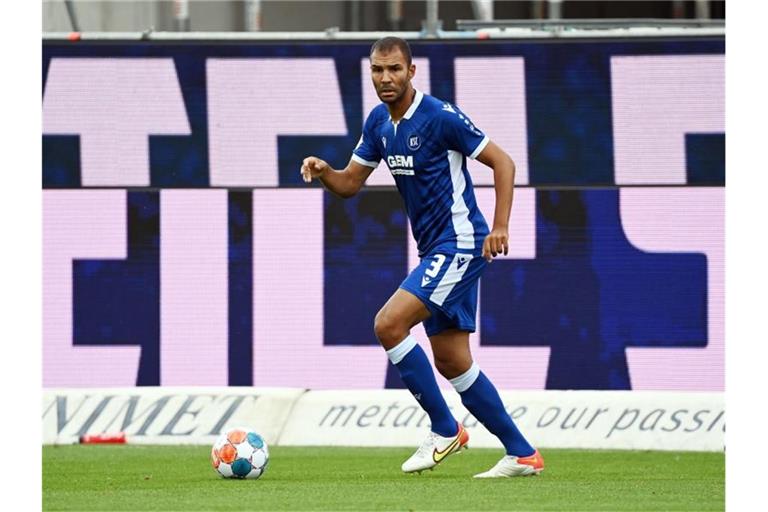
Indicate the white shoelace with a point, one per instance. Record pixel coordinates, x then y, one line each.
501 463
428 445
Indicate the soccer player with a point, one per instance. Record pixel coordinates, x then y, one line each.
425 142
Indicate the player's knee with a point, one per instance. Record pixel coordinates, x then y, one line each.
449 367
443 366
387 329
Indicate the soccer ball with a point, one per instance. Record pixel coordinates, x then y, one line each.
240 453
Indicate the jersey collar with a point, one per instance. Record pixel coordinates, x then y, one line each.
416 102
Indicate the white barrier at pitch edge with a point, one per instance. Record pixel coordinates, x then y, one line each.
549 419
165 415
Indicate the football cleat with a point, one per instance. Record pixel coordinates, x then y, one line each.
510 466
434 450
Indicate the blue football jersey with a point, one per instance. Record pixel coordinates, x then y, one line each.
426 152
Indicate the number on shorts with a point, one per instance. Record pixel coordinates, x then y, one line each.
434 268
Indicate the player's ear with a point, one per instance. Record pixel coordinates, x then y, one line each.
411 71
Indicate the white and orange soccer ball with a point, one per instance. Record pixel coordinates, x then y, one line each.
240 453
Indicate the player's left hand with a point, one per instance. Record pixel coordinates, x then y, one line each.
497 242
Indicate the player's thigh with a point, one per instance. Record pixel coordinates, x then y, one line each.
451 350
402 311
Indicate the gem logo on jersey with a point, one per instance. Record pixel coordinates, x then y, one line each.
414 142
400 164
400 161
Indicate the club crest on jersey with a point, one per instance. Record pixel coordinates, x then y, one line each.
414 142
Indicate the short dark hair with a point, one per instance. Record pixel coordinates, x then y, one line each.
389 43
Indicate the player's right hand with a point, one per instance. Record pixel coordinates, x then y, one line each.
313 167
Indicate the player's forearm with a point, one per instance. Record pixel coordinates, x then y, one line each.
504 183
339 182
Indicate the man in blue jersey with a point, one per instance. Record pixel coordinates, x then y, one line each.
425 142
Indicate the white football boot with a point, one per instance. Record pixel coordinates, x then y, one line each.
510 466
434 450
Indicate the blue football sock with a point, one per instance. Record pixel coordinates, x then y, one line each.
480 398
416 372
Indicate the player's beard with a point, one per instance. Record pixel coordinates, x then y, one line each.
392 99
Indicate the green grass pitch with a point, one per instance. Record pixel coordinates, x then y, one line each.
136 477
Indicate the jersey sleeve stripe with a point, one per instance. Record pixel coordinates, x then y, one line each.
364 162
480 147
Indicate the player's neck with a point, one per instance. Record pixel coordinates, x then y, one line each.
398 110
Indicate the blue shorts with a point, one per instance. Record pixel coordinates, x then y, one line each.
446 281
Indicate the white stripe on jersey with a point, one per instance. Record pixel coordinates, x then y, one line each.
452 276
465 231
364 162
480 147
